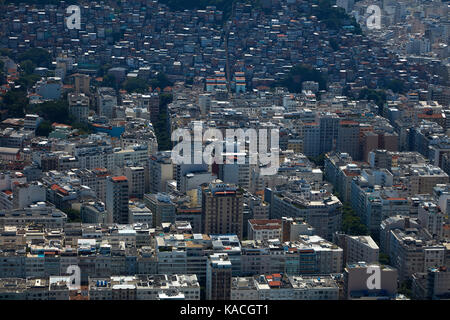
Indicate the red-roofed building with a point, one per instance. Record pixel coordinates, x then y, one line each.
264 229
117 199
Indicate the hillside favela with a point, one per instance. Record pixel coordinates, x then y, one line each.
224 150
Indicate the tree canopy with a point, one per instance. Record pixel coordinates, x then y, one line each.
15 101
136 85
40 57
351 223
162 129
334 17
377 96
54 111
301 73
397 86
161 81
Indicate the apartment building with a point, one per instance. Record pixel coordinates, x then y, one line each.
222 209
117 199
369 281
218 277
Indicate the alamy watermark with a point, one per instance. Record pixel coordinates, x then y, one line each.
74 20
374 280
208 147
75 277
373 21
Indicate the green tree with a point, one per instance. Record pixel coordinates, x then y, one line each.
377 96
161 127
27 66
301 73
109 80
44 128
136 85
28 80
40 57
383 258
15 101
83 128
54 111
406 288
395 85
161 81
73 215
319 160
334 17
351 223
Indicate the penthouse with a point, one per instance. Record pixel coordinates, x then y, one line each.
283 287
262 229
41 213
144 287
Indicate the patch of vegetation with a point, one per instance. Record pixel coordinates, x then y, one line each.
53 111
318 160
397 86
225 6
299 74
377 96
38 56
27 81
135 85
73 215
383 258
406 288
15 101
83 128
44 128
334 17
109 80
140 85
351 223
161 81
162 129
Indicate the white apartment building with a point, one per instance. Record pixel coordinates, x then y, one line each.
279 287
361 248
259 229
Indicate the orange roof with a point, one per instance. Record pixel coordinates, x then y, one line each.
349 122
189 210
225 192
432 116
396 199
119 178
58 188
55 124
274 283
351 173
